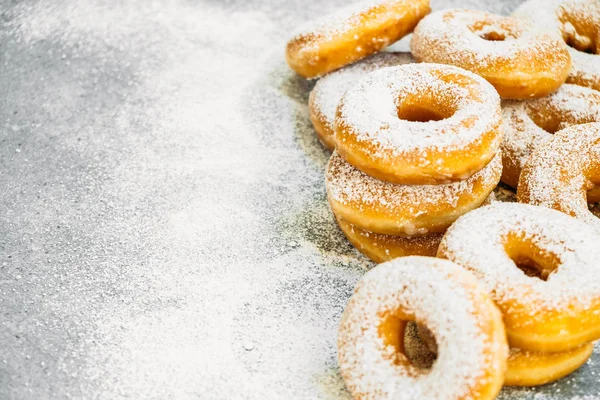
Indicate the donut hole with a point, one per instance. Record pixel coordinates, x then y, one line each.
531 259
546 120
493 31
579 35
424 109
401 334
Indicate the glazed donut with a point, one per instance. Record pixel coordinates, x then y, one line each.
328 91
560 172
530 122
351 34
518 59
381 248
554 313
578 23
404 210
524 368
445 298
378 128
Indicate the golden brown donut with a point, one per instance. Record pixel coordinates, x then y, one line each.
504 243
328 91
577 22
518 59
381 248
440 295
351 34
560 172
419 124
405 210
524 368
530 122
528 368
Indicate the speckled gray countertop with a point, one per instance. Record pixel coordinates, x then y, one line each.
164 231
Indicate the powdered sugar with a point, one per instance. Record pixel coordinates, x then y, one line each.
477 241
329 90
431 290
370 109
578 23
457 37
525 121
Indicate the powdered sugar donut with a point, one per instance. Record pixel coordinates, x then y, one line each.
328 91
530 122
381 248
440 295
558 311
578 23
524 368
518 59
406 210
560 172
351 34
419 124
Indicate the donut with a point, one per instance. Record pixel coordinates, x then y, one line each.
440 295
577 22
351 34
524 368
520 60
381 248
541 268
404 210
560 172
528 368
419 124
528 123
328 91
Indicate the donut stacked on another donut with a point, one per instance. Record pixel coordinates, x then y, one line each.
541 269
395 182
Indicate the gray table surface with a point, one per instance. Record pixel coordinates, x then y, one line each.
164 231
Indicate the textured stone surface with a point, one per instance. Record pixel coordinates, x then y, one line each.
164 231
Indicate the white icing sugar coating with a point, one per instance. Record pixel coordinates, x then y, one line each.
370 108
328 91
578 23
477 242
526 123
561 171
457 37
347 19
347 185
441 295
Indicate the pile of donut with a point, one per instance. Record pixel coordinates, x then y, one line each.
486 293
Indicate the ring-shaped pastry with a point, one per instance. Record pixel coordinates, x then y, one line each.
419 124
445 298
351 34
381 248
578 23
520 60
562 170
524 368
504 243
404 210
530 122
328 91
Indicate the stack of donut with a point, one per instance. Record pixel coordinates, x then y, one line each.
419 142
